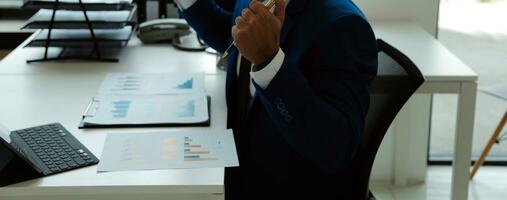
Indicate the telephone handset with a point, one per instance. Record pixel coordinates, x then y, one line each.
162 30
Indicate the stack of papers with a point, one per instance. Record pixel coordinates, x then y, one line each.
168 150
70 19
149 100
74 4
82 37
81 29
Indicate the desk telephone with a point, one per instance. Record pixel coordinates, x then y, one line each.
162 30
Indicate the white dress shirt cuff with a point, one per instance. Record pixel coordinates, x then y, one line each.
184 4
264 76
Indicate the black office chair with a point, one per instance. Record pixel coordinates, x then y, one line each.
398 79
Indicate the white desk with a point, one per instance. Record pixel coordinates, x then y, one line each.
39 93
38 99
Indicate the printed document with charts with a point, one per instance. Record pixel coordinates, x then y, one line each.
124 100
168 150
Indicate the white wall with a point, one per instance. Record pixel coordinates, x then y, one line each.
424 12
152 10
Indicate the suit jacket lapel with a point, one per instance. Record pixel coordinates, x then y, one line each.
232 67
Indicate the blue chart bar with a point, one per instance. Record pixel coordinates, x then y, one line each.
192 157
128 83
188 109
128 87
187 84
120 109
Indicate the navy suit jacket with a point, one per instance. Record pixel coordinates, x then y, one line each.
305 127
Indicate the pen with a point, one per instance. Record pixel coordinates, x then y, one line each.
269 4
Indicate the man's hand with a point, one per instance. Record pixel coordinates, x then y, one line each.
257 31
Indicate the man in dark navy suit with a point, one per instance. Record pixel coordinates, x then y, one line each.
297 92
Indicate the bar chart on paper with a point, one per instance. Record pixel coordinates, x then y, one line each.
188 84
178 83
127 83
120 109
169 150
194 151
156 109
164 99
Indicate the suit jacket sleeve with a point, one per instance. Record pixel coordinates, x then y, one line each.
212 23
319 104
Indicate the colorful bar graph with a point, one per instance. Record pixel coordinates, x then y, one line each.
194 152
186 157
193 146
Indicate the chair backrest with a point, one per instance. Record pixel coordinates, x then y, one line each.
397 80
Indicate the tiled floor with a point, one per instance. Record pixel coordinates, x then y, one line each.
490 183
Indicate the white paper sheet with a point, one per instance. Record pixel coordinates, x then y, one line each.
45 15
139 84
168 150
88 1
148 109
